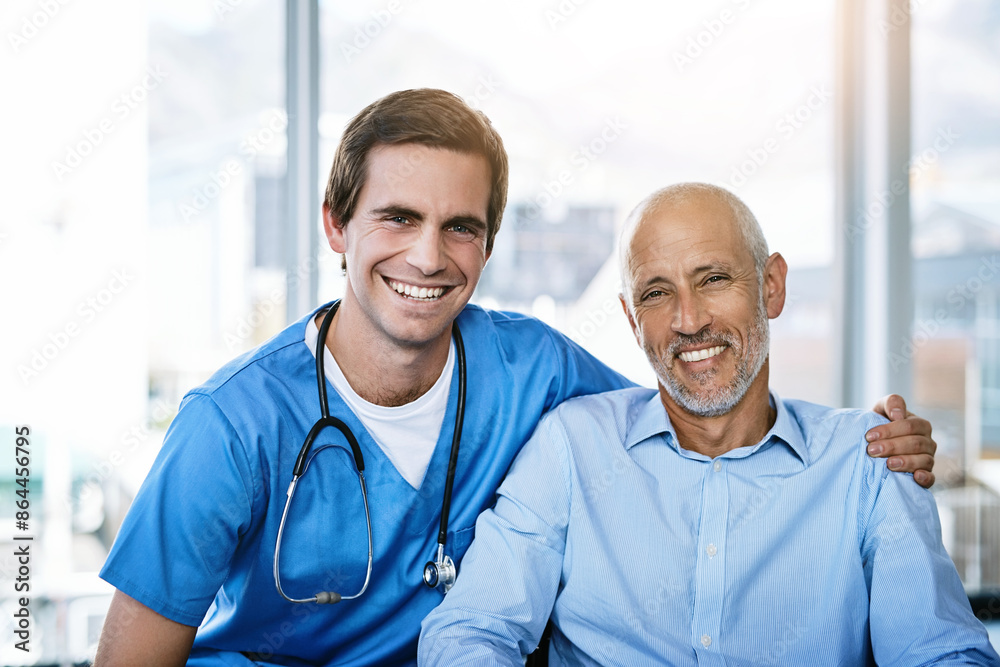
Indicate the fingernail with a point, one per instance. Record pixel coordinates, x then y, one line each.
874 450
895 463
871 436
896 414
920 476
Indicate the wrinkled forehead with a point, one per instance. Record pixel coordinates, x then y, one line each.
680 227
681 235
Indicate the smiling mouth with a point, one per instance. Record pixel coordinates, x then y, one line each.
417 293
700 355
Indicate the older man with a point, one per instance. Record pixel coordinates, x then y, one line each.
711 522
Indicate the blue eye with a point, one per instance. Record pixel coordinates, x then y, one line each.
466 231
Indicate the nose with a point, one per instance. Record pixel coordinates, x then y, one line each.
690 314
427 252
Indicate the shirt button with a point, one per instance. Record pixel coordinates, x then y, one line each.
706 641
711 551
717 466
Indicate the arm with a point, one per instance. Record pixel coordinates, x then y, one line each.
183 527
164 643
508 580
919 612
906 438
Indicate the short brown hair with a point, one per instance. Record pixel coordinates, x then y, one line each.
425 116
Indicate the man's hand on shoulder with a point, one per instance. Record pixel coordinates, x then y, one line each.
906 440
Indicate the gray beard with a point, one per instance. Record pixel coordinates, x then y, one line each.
749 361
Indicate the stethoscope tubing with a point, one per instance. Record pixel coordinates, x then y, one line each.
456 438
301 463
442 561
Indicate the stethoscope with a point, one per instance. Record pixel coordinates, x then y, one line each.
439 573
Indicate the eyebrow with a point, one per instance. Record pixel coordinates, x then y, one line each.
714 266
394 209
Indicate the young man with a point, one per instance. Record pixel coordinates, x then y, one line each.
415 198
710 522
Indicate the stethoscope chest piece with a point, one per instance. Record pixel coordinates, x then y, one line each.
440 573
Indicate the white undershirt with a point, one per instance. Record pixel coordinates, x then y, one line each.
407 433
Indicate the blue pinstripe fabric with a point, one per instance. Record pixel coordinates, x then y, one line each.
797 550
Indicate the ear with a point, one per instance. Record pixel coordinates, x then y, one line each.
775 272
631 320
334 230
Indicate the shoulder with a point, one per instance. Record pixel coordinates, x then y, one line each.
816 417
283 354
507 325
827 430
519 340
616 409
584 432
264 390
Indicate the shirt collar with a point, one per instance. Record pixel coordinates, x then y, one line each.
652 420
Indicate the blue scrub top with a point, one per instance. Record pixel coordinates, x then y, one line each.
197 545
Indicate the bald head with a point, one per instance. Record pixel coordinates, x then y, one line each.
688 194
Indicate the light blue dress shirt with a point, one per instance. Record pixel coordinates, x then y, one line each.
797 550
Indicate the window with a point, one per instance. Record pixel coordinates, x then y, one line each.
955 342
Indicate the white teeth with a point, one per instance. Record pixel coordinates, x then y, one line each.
414 292
699 355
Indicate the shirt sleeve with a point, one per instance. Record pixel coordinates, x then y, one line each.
507 584
175 546
919 611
